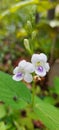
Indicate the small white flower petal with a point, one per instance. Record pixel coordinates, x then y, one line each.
28 78
47 67
43 57
17 78
38 58
22 64
40 73
16 70
29 67
35 58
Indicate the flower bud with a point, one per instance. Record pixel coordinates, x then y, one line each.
34 33
26 44
29 25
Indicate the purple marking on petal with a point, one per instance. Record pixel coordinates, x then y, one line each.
19 75
40 69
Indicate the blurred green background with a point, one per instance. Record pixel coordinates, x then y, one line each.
38 22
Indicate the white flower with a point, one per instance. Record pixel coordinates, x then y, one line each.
40 63
23 71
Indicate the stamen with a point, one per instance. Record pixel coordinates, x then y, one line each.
38 63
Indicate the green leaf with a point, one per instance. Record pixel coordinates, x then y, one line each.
48 114
13 93
2 111
10 89
2 126
49 99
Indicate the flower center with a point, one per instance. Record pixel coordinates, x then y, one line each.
38 63
19 75
40 68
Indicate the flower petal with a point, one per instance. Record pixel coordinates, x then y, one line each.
17 77
29 67
40 73
47 67
38 57
16 70
22 64
28 78
43 57
35 58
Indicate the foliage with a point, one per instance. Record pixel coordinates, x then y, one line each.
9 89
17 96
